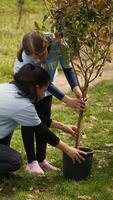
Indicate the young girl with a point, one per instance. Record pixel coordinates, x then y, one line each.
30 83
46 51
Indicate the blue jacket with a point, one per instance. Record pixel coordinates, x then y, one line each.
55 56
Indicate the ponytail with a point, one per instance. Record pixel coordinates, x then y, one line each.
19 54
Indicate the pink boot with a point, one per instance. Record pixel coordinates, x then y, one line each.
45 165
34 168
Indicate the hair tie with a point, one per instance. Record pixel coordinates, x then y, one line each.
32 67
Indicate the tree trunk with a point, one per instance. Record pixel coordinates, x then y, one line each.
80 118
79 129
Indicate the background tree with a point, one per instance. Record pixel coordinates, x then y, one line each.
20 11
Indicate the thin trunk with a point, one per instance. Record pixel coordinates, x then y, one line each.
79 130
80 119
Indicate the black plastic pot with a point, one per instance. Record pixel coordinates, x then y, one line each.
75 170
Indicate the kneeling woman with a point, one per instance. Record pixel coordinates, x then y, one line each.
16 107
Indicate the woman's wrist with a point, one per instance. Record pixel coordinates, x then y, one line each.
75 88
63 147
77 92
65 99
57 125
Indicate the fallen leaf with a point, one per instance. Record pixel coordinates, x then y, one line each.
84 197
14 189
50 179
31 189
30 196
109 145
92 118
1 189
84 136
102 163
37 191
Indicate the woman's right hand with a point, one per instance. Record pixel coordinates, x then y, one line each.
78 104
76 154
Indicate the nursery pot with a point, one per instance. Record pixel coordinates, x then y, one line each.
75 170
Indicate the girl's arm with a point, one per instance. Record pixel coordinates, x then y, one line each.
65 128
53 140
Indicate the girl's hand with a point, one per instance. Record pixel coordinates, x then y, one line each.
78 104
65 128
78 93
76 154
70 129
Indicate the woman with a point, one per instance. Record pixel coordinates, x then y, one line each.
16 107
46 52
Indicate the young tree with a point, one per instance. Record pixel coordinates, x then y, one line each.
87 29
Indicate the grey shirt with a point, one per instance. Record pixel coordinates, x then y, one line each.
14 110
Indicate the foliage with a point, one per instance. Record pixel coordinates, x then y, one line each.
87 29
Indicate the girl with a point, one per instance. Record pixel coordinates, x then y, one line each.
30 83
45 51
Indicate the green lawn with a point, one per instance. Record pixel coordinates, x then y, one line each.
98 135
97 126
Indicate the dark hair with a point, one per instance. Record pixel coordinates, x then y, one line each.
28 77
32 42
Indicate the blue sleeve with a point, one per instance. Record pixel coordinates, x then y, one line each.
71 77
55 91
69 73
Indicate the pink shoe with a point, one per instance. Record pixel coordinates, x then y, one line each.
34 167
45 165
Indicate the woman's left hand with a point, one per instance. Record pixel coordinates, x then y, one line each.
78 93
70 129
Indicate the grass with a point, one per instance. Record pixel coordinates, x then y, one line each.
98 126
98 129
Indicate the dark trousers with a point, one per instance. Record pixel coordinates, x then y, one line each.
43 108
10 160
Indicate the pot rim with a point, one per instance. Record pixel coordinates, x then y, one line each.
91 151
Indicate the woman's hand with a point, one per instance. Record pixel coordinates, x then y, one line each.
78 104
65 128
78 92
74 154
69 129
